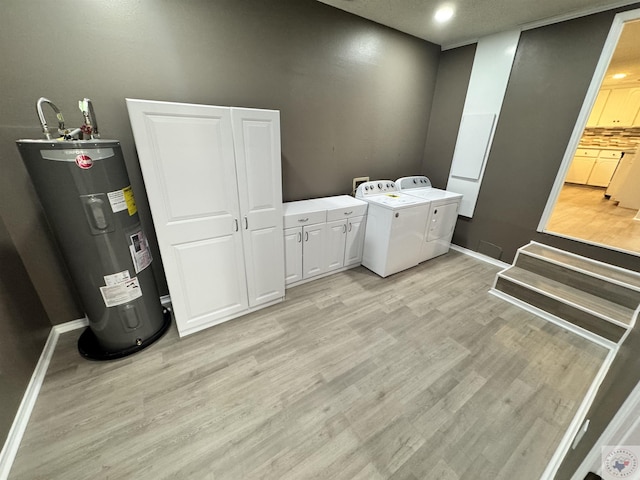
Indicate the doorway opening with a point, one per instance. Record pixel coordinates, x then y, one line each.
596 198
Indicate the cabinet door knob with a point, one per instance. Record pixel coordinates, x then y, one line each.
306 236
299 237
350 225
348 213
236 220
246 223
344 229
302 220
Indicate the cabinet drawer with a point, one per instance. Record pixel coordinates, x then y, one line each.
586 152
346 212
613 154
304 212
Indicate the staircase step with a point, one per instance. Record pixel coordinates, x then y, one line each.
588 303
607 272
586 321
577 278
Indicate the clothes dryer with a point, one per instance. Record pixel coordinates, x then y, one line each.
443 214
396 225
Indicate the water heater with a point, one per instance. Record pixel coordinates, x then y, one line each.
88 200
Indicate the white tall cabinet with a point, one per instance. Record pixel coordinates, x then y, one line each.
213 179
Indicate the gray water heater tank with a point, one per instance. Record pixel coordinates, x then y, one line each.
86 195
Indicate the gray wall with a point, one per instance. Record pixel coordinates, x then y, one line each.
454 70
354 96
23 331
552 71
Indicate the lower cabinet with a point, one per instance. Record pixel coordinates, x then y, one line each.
581 166
322 235
355 240
345 240
605 165
593 167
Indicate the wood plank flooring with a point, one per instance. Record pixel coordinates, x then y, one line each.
583 212
422 375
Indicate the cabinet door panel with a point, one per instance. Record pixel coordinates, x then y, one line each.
598 107
265 265
187 160
257 149
313 241
216 291
602 172
620 108
335 244
355 240
292 255
580 170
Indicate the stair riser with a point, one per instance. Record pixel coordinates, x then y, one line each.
573 315
587 283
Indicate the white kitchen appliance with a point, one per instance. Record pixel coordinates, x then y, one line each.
443 214
396 223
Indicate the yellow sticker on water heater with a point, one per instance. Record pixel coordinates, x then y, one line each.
130 200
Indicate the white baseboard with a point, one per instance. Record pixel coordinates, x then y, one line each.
11 445
479 256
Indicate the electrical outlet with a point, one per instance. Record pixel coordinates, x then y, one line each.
357 181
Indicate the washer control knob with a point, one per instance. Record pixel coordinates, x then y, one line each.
380 186
415 180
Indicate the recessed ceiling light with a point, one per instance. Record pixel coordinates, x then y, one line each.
618 76
443 14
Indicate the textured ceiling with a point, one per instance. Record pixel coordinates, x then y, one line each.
473 18
626 57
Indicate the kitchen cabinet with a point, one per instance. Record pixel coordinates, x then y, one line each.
355 240
213 179
336 239
593 167
581 166
346 218
292 255
313 250
304 240
620 108
603 168
322 236
304 247
598 107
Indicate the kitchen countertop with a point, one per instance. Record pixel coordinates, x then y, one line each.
628 150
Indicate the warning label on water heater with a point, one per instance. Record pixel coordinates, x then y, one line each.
121 200
121 293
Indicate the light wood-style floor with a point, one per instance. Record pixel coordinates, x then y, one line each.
583 212
422 375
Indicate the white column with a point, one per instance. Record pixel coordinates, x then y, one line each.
487 85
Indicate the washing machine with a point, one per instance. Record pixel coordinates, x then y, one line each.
396 223
443 214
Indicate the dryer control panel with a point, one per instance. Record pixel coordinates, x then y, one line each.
417 181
